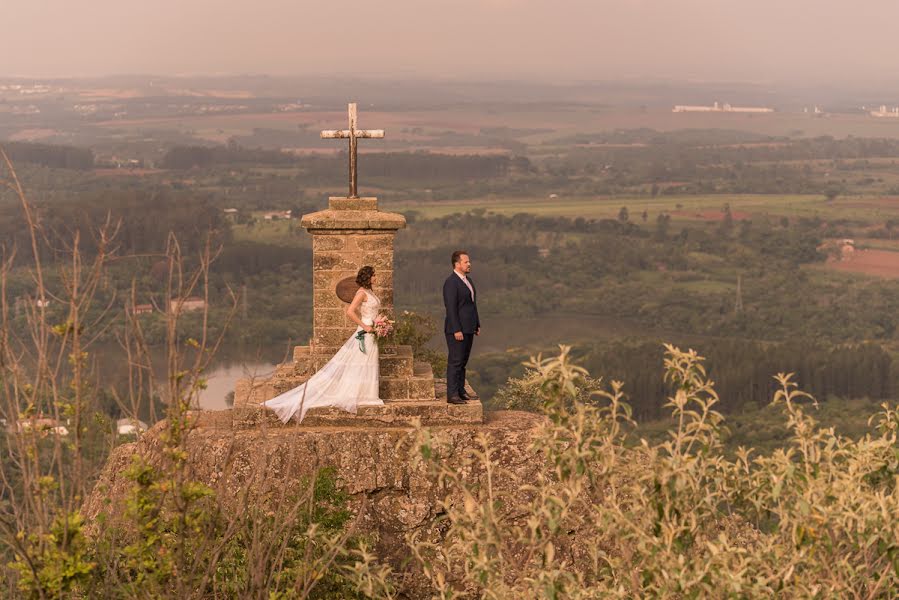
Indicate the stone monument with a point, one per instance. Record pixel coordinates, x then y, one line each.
351 233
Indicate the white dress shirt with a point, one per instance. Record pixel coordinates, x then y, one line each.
467 284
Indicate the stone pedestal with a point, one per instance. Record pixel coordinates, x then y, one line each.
352 233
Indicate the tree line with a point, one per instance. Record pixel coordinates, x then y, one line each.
146 217
743 371
325 168
47 155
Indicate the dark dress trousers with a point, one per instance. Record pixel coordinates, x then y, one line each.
461 315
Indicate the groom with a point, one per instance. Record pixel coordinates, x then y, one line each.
461 325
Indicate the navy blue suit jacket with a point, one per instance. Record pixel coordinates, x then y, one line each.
461 310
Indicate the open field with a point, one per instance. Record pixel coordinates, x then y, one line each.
541 127
683 208
878 263
549 122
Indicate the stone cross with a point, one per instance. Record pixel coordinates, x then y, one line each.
352 134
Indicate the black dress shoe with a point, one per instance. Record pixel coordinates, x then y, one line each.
465 396
455 400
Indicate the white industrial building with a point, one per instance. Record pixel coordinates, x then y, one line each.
884 112
722 108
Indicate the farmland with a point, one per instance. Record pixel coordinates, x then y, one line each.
875 263
681 208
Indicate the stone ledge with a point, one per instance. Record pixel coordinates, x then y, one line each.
328 351
344 203
392 414
353 219
440 390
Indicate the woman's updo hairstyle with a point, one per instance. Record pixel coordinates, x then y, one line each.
363 277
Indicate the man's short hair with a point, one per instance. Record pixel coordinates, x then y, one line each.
457 256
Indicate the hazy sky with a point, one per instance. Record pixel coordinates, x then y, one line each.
794 40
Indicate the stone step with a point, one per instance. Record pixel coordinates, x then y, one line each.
404 388
284 370
302 352
395 361
422 369
420 386
440 390
397 365
391 414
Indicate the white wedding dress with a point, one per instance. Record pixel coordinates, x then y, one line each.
349 380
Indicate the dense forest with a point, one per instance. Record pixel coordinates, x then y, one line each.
318 168
626 161
54 156
743 371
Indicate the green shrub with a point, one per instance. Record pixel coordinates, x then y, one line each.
673 519
416 330
524 393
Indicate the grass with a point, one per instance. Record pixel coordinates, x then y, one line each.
280 232
562 120
878 244
684 209
605 207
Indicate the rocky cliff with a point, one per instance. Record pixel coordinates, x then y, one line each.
248 457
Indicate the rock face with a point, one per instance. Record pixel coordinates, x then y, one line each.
248 458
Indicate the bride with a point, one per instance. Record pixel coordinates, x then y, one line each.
350 378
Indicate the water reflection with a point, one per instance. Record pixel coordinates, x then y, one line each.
221 380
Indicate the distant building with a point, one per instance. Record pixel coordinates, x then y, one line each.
43 425
892 113
846 248
143 309
130 427
280 214
721 108
114 162
187 305
839 249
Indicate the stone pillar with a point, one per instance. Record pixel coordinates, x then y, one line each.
351 233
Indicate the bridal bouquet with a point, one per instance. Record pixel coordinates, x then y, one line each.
381 328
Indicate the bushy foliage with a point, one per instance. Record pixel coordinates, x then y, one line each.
819 519
524 393
416 330
741 369
55 563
